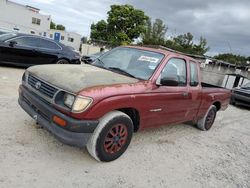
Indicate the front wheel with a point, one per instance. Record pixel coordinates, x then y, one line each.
112 136
207 121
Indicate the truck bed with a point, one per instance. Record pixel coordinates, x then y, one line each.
207 85
214 93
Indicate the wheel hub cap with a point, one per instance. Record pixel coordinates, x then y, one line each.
115 138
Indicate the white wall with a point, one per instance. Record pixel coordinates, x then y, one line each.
16 16
88 49
64 38
13 15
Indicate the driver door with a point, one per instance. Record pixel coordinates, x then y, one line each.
169 104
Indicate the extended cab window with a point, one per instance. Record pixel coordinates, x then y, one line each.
176 70
193 74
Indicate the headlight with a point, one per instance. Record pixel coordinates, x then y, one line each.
24 77
69 100
77 103
81 103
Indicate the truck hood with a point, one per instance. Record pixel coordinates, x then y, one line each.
75 78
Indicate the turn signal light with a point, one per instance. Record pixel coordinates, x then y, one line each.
59 121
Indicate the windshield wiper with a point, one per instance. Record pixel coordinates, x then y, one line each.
100 62
122 71
97 62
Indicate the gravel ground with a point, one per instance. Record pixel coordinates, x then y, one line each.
170 156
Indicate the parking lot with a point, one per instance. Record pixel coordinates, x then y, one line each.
171 156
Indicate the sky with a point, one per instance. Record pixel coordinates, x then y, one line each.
224 23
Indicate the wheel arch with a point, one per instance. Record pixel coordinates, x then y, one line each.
217 104
62 58
134 115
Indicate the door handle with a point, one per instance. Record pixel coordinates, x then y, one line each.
185 94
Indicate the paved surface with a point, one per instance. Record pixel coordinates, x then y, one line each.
170 156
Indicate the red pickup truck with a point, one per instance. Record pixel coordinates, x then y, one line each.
125 90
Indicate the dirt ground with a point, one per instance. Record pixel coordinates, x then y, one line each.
170 156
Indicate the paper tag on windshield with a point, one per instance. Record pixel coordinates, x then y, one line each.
149 59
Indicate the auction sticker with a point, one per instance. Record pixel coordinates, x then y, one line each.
149 59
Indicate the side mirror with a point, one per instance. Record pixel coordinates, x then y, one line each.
169 81
12 43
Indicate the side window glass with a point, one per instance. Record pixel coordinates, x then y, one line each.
193 74
48 44
27 41
176 69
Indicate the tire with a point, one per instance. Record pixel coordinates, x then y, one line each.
111 137
232 101
62 61
207 121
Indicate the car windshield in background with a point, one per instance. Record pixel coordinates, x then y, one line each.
7 36
246 86
130 61
2 32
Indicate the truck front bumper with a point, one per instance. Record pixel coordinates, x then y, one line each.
76 133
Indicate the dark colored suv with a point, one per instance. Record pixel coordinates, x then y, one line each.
241 95
26 50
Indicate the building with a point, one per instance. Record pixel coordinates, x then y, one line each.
27 19
23 18
222 73
68 38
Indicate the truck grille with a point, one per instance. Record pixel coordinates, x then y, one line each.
42 86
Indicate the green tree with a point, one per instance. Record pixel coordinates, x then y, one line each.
184 43
84 40
124 24
99 31
202 47
232 58
60 27
154 33
52 25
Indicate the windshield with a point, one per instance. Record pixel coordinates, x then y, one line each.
2 32
133 62
246 86
7 36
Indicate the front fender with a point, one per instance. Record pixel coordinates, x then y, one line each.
110 104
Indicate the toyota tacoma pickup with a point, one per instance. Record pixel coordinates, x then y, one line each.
127 89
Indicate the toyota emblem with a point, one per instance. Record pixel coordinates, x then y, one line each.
38 85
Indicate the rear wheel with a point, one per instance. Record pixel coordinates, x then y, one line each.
207 121
112 136
62 61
